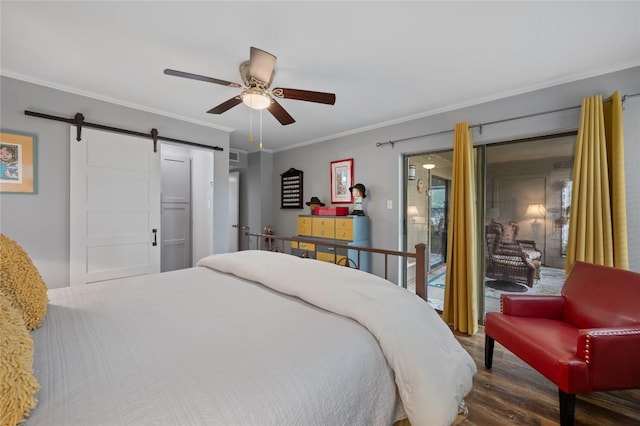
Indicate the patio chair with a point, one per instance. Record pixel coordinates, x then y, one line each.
507 259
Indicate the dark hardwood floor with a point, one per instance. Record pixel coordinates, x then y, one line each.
512 393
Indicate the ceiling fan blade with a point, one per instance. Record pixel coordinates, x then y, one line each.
261 65
305 95
226 105
280 114
201 78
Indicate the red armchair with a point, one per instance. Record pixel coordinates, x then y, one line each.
585 340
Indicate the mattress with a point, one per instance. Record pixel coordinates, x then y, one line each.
198 346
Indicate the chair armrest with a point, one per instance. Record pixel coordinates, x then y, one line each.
538 306
612 356
528 243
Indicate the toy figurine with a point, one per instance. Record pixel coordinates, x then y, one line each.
358 192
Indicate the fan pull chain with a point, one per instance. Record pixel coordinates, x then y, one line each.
250 125
260 130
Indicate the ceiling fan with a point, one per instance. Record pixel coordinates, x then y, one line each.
257 75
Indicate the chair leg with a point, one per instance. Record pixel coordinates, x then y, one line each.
567 407
488 351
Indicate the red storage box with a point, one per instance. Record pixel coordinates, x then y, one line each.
332 211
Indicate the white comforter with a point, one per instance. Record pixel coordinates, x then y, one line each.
433 372
202 347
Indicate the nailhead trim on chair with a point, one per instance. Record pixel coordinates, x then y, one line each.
587 340
624 332
587 343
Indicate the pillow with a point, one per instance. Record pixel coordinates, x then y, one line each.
20 280
18 385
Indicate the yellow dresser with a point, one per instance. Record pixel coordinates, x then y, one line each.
324 230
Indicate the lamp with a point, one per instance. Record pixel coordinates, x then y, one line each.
412 172
255 98
412 211
536 211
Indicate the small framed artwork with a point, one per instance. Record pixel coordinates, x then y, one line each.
18 162
341 181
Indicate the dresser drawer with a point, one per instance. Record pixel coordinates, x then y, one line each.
304 226
324 227
326 257
344 229
301 246
307 246
338 255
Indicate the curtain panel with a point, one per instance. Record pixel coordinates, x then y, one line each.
460 299
598 225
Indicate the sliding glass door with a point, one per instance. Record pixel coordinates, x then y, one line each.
427 193
528 193
524 194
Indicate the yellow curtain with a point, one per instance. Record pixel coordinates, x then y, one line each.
614 133
460 297
598 225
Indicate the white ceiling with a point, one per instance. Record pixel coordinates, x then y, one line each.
387 62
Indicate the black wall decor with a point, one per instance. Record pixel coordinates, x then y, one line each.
291 189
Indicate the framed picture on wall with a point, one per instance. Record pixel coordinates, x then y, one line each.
18 165
341 181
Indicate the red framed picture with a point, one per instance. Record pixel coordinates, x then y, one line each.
341 180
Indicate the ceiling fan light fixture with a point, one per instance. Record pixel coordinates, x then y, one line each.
256 98
257 74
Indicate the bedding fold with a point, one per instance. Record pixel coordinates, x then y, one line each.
432 370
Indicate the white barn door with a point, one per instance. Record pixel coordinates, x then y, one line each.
114 207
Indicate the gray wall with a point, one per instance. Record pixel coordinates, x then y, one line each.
40 222
380 168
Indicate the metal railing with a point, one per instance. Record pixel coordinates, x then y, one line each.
277 243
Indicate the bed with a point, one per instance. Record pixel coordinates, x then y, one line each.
253 337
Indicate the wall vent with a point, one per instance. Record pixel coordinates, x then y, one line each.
234 157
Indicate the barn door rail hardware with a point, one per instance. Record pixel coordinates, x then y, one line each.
78 121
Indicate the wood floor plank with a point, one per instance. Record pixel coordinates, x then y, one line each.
513 393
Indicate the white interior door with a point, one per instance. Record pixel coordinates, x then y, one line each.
176 236
114 207
175 212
